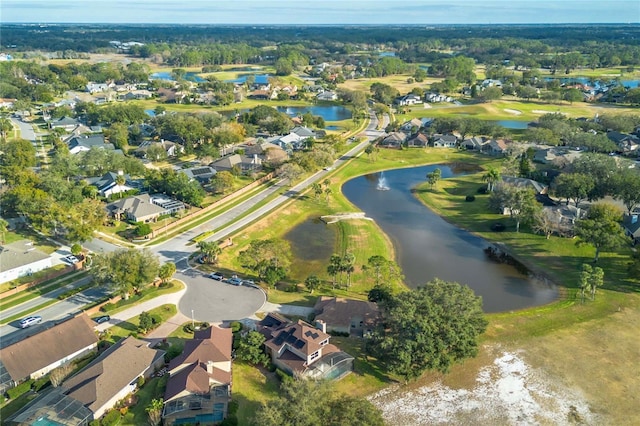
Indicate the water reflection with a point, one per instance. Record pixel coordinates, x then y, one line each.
427 246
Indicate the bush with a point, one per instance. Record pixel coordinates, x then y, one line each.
482 190
292 288
140 382
112 418
283 376
498 227
236 326
204 325
470 198
41 383
108 307
172 352
21 389
188 328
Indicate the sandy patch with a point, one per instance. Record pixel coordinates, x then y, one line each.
513 111
507 392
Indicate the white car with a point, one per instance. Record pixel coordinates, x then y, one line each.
29 321
71 259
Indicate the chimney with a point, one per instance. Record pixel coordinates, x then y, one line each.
210 367
120 173
321 325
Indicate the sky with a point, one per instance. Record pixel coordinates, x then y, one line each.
320 12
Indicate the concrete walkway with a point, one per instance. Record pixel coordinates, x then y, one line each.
299 311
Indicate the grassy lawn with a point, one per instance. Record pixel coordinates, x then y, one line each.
126 328
252 387
151 293
152 389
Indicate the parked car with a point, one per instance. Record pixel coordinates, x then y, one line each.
249 283
71 259
102 318
216 276
29 321
234 281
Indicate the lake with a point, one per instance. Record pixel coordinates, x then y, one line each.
166 75
427 246
597 83
258 79
327 112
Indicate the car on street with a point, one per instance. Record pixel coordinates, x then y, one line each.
29 321
102 318
216 276
249 283
234 281
71 259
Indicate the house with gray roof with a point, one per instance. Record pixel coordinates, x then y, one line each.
444 141
393 140
199 385
631 225
246 163
476 143
419 140
83 143
202 174
107 184
37 355
21 258
139 208
66 123
303 132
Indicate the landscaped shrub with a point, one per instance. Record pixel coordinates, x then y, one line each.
470 198
41 383
283 376
22 388
235 326
188 328
482 190
112 418
204 325
140 382
172 352
108 307
498 227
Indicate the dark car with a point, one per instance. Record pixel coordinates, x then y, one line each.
101 319
216 276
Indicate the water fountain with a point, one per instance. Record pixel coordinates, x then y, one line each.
382 183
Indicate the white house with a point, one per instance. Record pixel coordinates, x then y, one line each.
21 258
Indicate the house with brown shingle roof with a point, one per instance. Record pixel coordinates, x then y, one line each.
302 349
199 386
35 356
113 375
350 316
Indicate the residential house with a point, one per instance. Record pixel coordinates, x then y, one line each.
490 83
535 186
407 100
303 132
172 149
563 217
266 152
432 97
419 140
37 355
21 258
351 316
139 208
496 147
138 94
476 143
199 386
202 174
411 126
83 143
302 349
170 96
631 225
627 144
393 140
327 96
107 184
95 389
98 87
444 141
170 205
66 123
244 162
7 102
263 95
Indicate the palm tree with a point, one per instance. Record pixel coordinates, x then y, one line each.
120 181
491 177
327 193
154 410
3 229
210 250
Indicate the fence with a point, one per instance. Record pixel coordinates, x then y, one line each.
190 217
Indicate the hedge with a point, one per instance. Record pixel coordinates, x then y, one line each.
21 389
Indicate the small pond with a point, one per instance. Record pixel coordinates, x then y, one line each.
427 246
258 79
513 124
327 112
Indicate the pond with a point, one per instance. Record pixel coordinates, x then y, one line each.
312 241
327 112
513 124
427 246
166 75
